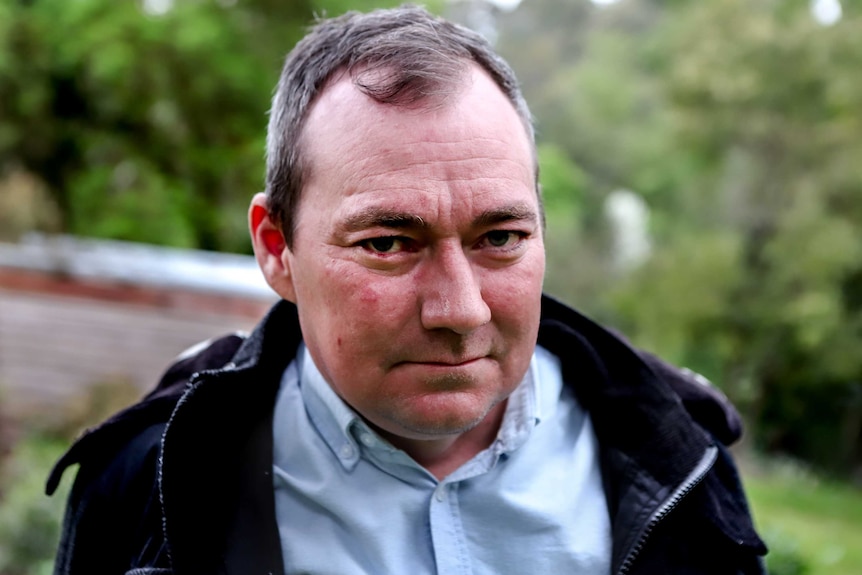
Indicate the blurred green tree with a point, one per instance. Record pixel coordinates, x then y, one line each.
737 121
145 120
767 100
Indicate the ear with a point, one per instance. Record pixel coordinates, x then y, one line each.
270 248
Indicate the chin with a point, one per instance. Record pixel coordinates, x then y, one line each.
438 429
439 417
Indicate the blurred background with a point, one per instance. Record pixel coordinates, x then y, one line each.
701 165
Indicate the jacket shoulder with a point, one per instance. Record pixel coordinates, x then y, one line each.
115 496
565 327
115 499
706 404
108 437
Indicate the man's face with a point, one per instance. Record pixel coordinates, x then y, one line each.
418 258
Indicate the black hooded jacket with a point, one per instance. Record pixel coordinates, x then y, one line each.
181 483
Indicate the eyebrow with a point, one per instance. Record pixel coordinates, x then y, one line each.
513 213
385 218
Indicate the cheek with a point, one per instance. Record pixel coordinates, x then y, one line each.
379 298
365 308
509 291
348 295
369 296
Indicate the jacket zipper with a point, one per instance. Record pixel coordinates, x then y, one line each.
704 465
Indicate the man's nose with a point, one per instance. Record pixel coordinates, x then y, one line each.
452 293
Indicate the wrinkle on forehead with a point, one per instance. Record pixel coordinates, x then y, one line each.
357 118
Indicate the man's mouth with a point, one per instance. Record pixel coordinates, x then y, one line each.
446 362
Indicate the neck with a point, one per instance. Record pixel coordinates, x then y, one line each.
442 456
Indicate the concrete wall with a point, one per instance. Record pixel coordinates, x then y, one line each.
61 333
53 346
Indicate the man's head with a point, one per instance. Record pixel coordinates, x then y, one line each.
403 57
416 255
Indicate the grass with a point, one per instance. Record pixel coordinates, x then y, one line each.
812 525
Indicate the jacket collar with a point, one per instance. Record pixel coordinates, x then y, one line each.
223 425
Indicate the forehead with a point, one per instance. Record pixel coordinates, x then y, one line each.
352 143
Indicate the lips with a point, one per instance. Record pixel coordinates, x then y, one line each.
443 362
453 363
444 354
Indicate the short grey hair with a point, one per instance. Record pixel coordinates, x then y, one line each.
403 56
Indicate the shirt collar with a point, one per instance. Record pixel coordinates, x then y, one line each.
332 417
534 400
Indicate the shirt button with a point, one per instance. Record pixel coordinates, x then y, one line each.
440 493
366 439
346 451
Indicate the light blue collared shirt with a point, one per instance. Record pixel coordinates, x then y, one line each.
348 502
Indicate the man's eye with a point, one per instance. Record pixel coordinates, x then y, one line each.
502 238
384 245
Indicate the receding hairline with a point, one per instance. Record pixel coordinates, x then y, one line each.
357 79
458 86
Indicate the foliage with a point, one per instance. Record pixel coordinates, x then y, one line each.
737 121
29 521
146 127
784 556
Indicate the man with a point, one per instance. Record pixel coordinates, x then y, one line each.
415 405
